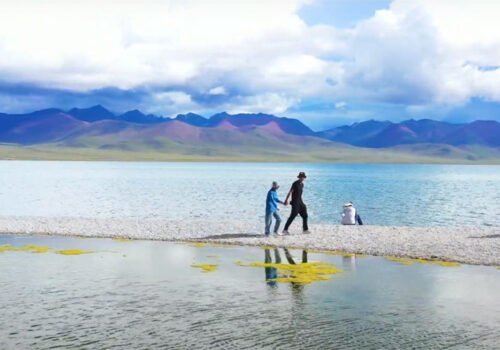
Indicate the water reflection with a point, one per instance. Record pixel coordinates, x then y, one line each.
297 288
349 262
271 272
148 296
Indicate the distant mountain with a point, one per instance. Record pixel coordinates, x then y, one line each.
480 132
136 116
392 135
428 130
224 134
40 127
92 114
246 120
376 134
179 136
290 126
193 119
9 121
355 134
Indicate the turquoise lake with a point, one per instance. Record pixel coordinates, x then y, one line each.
146 295
415 195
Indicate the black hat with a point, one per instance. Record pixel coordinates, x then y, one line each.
302 174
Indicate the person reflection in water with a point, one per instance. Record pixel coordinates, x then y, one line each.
349 262
289 257
297 288
271 272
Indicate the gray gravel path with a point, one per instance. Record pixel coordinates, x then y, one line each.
471 245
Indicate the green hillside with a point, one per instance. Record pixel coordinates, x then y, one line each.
165 150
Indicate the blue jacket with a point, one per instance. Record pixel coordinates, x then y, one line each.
272 201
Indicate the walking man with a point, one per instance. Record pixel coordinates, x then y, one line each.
272 201
298 206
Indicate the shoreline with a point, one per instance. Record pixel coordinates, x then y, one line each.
13 152
475 245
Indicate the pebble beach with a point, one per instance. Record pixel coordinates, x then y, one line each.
478 245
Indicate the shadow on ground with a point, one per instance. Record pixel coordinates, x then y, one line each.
487 236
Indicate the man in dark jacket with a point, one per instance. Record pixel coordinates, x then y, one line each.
298 206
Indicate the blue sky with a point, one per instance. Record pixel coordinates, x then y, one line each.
326 62
341 13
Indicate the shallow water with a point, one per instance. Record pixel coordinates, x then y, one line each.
415 195
141 294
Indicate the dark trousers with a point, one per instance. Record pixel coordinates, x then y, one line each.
358 220
298 209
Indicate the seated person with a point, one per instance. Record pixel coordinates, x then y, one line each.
350 215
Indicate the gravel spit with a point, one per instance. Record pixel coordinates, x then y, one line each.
466 244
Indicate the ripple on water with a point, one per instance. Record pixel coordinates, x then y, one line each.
154 299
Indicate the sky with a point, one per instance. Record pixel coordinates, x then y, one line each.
325 62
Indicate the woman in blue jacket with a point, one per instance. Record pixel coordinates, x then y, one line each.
272 201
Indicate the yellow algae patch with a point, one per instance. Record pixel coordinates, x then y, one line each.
121 239
197 244
27 248
304 273
209 244
8 248
408 261
205 267
213 256
222 245
402 261
438 262
72 252
35 248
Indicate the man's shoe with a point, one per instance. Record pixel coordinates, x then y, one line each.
285 233
306 232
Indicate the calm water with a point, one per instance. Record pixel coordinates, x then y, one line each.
384 194
144 295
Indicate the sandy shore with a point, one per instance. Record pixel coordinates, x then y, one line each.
471 245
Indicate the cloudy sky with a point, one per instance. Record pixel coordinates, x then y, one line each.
327 62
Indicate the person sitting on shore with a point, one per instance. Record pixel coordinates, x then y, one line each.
272 209
350 215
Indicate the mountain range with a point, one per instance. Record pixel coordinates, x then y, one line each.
98 128
378 134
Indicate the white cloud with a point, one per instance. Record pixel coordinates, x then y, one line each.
93 44
340 105
170 102
269 102
409 54
218 90
173 97
417 52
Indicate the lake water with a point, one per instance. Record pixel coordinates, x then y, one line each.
420 195
144 295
